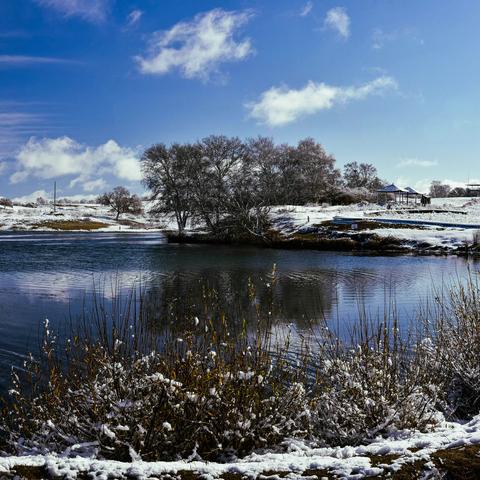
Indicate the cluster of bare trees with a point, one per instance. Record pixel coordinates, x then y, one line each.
228 184
440 189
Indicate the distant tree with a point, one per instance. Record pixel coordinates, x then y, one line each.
41 201
121 201
170 174
5 202
458 192
263 157
363 175
439 189
307 173
221 159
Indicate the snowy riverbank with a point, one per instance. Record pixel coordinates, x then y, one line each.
447 225
423 452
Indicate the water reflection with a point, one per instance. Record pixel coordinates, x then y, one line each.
52 275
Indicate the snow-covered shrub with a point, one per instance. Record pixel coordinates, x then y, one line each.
453 347
349 196
209 399
372 389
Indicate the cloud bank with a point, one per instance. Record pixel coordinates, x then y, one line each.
281 105
49 158
197 48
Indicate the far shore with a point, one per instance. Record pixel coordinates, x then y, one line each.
449 227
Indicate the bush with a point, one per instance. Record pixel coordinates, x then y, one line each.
6 202
453 347
349 196
119 394
368 392
124 389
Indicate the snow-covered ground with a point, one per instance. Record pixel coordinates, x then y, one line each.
27 218
352 462
457 220
452 225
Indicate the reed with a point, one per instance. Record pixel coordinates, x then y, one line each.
123 386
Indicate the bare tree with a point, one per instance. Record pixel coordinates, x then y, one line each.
229 184
264 158
439 189
363 175
221 158
308 173
170 173
120 200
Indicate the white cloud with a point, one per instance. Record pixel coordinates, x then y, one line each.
380 38
198 47
23 60
32 197
94 185
416 162
338 20
306 9
280 105
3 167
49 158
91 10
134 17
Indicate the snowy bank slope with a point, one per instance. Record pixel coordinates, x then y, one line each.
297 458
42 218
453 214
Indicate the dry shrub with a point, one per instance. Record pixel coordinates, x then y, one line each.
375 387
122 392
452 343
122 389
5 202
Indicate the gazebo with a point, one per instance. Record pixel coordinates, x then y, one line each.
413 193
397 192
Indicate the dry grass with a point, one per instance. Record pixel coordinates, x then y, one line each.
70 225
218 390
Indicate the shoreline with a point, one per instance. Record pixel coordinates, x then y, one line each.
361 244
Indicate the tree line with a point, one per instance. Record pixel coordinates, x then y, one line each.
440 189
228 184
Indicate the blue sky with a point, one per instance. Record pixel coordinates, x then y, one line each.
86 84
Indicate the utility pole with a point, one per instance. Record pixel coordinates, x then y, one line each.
54 196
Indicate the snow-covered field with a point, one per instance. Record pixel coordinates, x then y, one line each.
457 219
40 218
353 462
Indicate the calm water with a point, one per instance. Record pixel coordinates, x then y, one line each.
53 275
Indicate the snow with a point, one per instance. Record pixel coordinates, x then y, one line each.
451 226
296 456
26 218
